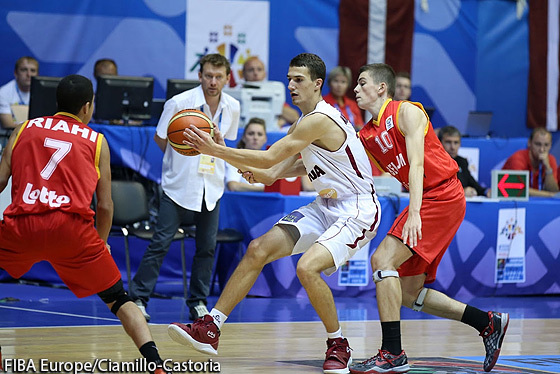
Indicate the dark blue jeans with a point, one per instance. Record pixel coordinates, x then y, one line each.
170 217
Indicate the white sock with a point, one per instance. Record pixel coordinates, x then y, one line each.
336 334
219 317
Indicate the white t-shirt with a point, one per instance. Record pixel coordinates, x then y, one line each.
181 179
11 94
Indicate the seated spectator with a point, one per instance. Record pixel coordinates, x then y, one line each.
450 138
105 66
542 166
338 81
254 137
403 86
14 95
254 71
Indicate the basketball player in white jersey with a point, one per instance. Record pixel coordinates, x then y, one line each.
330 230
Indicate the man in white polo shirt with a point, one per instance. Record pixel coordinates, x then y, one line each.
192 188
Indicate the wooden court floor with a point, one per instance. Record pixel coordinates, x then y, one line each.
288 347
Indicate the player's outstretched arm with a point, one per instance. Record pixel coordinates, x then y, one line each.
413 123
290 167
306 131
294 168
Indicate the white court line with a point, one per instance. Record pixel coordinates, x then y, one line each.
58 313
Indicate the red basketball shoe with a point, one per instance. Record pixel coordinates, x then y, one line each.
203 334
338 356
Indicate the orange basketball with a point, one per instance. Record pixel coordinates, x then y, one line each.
181 121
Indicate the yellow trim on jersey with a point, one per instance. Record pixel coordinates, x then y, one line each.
98 154
374 161
397 119
19 133
418 105
69 115
376 122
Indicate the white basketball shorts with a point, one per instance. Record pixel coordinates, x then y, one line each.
342 226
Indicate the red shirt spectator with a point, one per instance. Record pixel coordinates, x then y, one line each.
542 166
339 81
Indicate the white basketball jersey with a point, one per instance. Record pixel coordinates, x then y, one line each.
340 173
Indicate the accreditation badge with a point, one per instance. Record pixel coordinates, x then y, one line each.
207 165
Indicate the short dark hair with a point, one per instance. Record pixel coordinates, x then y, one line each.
72 92
313 63
381 73
28 59
539 130
103 61
448 131
217 60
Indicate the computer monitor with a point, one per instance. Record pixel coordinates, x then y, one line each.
478 124
124 98
42 97
176 86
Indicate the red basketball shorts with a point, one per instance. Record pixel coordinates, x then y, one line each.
443 209
67 241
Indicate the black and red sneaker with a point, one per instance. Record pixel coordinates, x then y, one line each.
382 362
493 336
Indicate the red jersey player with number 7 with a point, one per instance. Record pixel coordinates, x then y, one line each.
56 164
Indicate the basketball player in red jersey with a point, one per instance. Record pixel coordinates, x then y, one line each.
56 164
402 141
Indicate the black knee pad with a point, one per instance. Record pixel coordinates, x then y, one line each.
116 294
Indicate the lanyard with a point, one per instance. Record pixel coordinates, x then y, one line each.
21 102
540 177
219 119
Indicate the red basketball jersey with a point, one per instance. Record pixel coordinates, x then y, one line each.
385 144
55 166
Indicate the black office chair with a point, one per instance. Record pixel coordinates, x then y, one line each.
227 235
130 210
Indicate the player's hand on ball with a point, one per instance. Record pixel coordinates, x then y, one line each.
199 140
